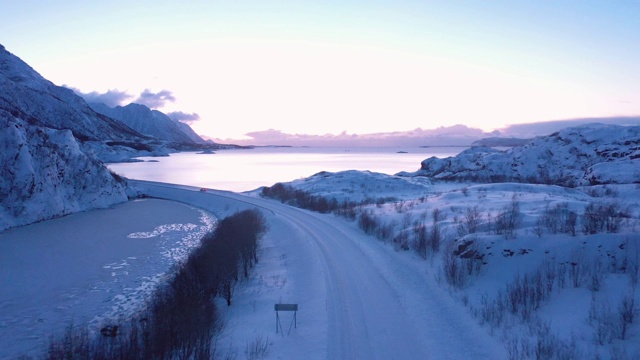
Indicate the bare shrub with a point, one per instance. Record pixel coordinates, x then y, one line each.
559 218
538 229
452 269
435 235
435 238
603 320
385 230
470 223
181 319
368 222
549 346
459 269
578 269
526 293
626 311
507 221
257 349
420 240
603 217
401 240
611 323
492 311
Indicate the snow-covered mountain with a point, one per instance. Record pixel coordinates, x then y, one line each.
26 94
590 154
150 122
45 174
48 137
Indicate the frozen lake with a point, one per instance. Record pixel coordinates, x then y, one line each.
88 267
245 170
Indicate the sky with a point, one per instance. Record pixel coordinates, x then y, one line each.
231 68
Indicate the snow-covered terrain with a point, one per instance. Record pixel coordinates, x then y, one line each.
584 155
150 122
500 262
356 298
560 283
45 174
360 297
89 268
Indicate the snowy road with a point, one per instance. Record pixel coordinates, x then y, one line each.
365 301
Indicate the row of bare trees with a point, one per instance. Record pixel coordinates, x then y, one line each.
181 319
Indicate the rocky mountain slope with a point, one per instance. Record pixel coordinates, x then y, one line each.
584 155
26 94
150 122
48 138
45 174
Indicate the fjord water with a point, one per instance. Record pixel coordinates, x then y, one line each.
248 169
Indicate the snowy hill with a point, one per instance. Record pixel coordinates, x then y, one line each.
150 122
45 174
591 154
27 95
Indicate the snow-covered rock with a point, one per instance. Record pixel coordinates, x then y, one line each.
590 154
45 174
150 122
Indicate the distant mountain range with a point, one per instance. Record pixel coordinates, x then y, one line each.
500 142
151 123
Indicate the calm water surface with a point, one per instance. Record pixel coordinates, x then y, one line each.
244 170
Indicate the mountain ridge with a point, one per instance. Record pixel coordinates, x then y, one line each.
150 122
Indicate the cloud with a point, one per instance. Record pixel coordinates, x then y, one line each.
459 135
111 98
183 116
155 100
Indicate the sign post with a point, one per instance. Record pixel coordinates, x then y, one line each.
286 307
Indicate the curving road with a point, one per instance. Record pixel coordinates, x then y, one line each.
374 304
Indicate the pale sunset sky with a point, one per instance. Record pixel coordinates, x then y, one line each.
339 66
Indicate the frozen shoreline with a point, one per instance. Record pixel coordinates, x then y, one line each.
87 267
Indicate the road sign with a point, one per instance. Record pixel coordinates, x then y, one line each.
286 307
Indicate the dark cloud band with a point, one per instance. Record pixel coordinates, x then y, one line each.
155 100
183 116
111 98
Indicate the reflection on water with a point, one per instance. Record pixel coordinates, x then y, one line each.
244 170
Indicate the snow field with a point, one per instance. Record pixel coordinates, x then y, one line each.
580 317
357 299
